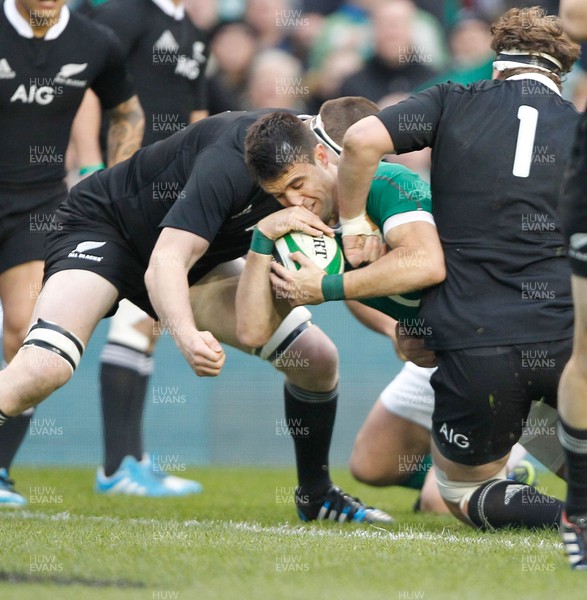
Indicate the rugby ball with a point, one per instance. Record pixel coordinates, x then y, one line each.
322 250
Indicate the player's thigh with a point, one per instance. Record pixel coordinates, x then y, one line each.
75 300
480 403
213 301
579 284
388 445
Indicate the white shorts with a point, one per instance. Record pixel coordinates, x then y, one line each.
410 395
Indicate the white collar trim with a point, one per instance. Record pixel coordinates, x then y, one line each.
23 27
549 83
169 8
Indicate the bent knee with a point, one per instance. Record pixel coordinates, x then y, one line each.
319 350
45 368
367 469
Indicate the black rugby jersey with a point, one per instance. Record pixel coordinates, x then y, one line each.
42 83
498 154
167 58
195 180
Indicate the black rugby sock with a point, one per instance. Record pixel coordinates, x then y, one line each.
122 390
574 443
12 434
310 421
503 503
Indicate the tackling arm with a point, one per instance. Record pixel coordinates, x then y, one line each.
364 144
166 280
416 262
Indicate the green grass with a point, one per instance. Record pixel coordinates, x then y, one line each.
241 539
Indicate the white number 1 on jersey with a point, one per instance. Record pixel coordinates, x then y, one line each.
528 117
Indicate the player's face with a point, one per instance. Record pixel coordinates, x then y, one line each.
40 13
304 184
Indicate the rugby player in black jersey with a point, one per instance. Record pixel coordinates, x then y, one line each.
48 58
166 55
400 205
573 383
178 259
501 323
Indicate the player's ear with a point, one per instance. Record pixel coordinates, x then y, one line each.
321 155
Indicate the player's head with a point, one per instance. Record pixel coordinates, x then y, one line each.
283 151
527 39
335 117
284 157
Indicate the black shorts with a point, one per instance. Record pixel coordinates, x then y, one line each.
26 217
482 396
99 247
573 203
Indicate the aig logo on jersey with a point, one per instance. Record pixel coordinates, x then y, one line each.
43 94
458 439
43 91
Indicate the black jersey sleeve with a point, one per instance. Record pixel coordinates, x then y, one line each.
219 186
413 123
113 85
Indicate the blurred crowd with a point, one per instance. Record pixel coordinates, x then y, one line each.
298 53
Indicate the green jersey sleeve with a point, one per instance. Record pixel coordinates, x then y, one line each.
396 190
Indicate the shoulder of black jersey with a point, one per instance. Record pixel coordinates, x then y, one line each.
93 30
476 86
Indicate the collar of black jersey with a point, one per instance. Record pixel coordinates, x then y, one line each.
25 30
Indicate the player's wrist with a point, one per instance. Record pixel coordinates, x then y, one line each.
333 287
260 243
89 169
356 225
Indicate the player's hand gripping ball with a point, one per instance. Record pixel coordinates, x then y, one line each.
322 250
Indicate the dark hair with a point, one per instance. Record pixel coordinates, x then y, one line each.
533 30
275 142
339 114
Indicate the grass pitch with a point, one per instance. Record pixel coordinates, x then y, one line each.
241 539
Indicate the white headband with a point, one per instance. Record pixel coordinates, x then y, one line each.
536 60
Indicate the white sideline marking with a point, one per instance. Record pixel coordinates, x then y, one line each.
372 532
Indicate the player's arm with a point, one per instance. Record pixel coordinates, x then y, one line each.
166 280
376 321
259 310
85 135
372 318
573 15
364 144
125 130
415 262
115 89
